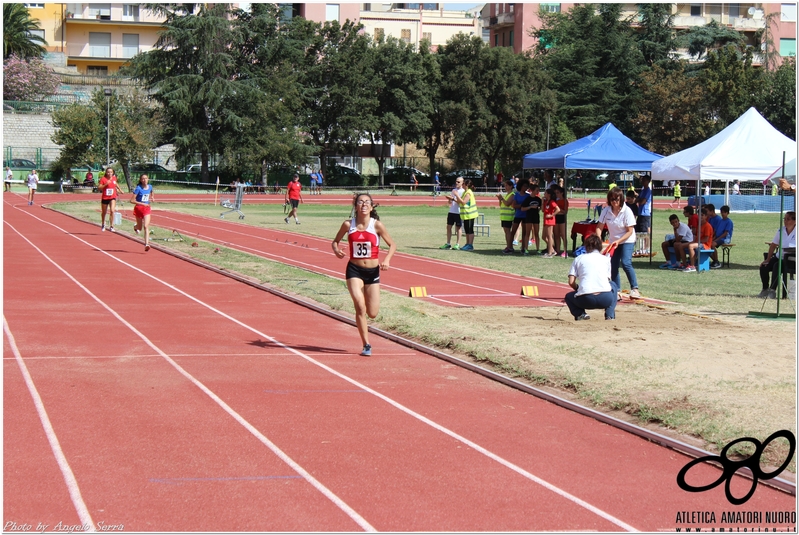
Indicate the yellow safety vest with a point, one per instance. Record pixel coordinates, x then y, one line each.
507 213
469 208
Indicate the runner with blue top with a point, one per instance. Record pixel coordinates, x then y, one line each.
142 197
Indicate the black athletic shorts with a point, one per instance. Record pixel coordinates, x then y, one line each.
560 219
507 224
106 201
367 275
454 219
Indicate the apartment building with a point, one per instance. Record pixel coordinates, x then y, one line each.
510 24
413 23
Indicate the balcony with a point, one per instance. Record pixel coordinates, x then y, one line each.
739 23
125 13
502 19
115 52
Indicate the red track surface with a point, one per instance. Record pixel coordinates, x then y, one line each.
182 400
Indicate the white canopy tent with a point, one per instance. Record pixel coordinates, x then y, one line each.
748 149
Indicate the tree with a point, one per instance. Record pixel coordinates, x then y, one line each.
336 101
17 33
593 59
81 130
777 102
192 72
672 115
28 80
656 36
711 36
403 105
731 83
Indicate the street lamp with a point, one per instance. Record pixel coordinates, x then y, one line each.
107 93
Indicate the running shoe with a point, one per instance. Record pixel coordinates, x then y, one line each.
582 317
667 265
102 228
515 242
446 246
689 269
297 222
715 265
146 248
137 231
467 247
526 252
367 351
507 251
112 229
635 294
286 220
763 294
563 254
456 247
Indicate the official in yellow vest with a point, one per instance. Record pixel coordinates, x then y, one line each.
468 213
506 214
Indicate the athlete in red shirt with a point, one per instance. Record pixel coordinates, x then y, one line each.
110 191
364 232
294 196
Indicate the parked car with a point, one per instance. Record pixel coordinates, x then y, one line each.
475 175
148 168
341 175
19 163
403 174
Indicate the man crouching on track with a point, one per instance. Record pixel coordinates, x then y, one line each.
364 232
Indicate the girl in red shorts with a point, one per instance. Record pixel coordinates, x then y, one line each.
550 209
142 197
364 232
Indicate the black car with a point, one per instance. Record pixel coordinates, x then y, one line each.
149 168
403 175
19 163
475 175
339 175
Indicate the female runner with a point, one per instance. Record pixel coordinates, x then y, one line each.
142 197
364 232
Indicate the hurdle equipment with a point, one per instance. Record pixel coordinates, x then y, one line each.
530 291
417 291
234 206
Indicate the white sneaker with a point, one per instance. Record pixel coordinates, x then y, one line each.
635 294
102 228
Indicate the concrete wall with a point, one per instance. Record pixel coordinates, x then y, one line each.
26 132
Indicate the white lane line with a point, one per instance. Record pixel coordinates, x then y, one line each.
69 477
524 473
349 511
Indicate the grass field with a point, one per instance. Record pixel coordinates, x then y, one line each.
648 367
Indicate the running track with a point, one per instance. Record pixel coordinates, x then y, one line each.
143 391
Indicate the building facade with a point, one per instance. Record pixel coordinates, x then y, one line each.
510 24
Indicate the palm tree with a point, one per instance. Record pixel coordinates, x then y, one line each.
17 36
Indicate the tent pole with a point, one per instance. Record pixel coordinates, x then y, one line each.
780 251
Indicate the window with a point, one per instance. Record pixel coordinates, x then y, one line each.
496 39
510 38
696 10
550 8
130 44
130 12
34 6
510 8
714 11
97 70
38 33
427 36
788 47
788 13
735 11
331 12
405 35
100 45
380 33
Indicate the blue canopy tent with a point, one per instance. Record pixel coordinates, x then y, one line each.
605 149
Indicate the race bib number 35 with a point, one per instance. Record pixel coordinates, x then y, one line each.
362 250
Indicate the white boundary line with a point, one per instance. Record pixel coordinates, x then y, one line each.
524 473
69 477
349 511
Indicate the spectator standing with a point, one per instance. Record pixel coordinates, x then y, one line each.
414 182
454 215
736 188
293 197
550 209
520 199
33 183
630 202
468 205
770 265
9 178
560 221
595 289
364 232
313 183
506 215
437 184
532 217
109 191
644 219
620 223
320 179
